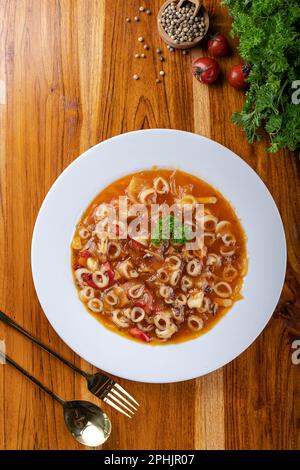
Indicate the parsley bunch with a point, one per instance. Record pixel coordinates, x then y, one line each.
170 228
269 35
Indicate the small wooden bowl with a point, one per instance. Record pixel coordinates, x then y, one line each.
183 45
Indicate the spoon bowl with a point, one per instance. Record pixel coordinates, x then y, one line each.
87 423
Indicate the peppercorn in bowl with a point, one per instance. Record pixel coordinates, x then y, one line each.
179 27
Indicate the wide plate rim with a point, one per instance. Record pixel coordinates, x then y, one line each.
87 356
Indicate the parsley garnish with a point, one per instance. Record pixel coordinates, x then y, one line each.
269 38
170 228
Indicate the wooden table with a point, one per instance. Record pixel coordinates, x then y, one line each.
66 69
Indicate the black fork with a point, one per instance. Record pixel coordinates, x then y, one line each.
101 385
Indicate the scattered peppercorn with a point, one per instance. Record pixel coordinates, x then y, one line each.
162 59
143 56
158 51
162 73
142 8
146 47
141 39
157 80
128 20
148 12
136 18
137 56
135 77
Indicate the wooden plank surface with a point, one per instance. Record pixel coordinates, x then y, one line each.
66 69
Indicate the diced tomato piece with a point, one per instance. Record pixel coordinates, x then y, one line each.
111 276
139 304
148 305
109 271
119 231
77 266
155 308
146 302
89 280
85 254
136 245
138 334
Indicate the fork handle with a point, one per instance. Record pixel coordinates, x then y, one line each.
32 378
8 321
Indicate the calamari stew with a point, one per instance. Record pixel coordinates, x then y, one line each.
153 287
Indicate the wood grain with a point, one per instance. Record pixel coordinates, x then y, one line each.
66 69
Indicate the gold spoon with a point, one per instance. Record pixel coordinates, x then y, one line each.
87 423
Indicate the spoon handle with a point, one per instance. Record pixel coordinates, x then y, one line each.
32 378
8 321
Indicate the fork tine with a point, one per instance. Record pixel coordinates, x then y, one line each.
109 402
126 393
112 397
123 398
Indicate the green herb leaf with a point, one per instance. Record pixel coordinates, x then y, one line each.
269 38
170 228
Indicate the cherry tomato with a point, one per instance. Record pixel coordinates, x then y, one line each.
138 334
206 70
218 46
237 76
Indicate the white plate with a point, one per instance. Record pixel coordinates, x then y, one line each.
75 189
